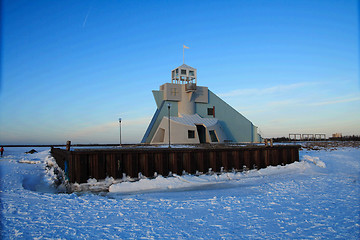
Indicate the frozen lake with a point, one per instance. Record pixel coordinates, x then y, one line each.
318 197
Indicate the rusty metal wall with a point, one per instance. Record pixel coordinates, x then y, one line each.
99 164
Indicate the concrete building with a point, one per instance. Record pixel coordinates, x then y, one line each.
337 135
197 115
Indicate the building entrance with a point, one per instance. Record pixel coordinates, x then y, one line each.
201 133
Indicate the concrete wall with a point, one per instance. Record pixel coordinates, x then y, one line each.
161 112
176 129
236 127
161 136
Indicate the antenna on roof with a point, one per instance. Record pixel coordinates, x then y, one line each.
184 53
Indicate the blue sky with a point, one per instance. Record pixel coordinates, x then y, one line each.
70 69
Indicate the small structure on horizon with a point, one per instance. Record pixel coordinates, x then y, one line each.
197 115
337 135
306 136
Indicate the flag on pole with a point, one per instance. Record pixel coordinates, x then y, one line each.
184 53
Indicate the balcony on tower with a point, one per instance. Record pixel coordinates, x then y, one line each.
184 75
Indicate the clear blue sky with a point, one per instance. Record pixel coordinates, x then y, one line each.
70 69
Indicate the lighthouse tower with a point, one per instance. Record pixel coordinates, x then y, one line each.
192 114
186 77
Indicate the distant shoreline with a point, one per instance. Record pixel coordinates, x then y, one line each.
60 145
323 143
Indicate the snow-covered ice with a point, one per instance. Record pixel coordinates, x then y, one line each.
316 198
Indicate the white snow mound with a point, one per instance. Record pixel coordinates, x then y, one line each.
176 182
29 161
314 160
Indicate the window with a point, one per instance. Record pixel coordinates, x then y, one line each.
191 134
213 136
191 73
183 71
211 111
173 91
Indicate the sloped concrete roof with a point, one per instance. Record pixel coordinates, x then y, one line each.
186 66
194 120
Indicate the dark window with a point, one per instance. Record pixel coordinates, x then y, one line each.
210 111
191 73
183 71
213 136
191 134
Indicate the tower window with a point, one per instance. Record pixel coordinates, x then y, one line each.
191 73
183 71
211 111
174 91
191 134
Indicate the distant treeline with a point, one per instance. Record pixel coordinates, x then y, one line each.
343 138
281 139
346 138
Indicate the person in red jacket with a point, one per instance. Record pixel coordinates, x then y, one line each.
2 150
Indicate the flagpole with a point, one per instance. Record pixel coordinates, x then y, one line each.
183 54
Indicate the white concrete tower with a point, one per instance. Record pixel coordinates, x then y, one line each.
185 76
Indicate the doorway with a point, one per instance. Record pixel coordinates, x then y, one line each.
201 132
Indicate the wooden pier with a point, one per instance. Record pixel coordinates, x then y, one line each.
82 164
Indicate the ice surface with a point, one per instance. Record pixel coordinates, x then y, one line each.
317 198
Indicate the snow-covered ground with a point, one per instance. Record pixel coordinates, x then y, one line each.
316 198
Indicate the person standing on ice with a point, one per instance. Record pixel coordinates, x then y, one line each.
2 151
